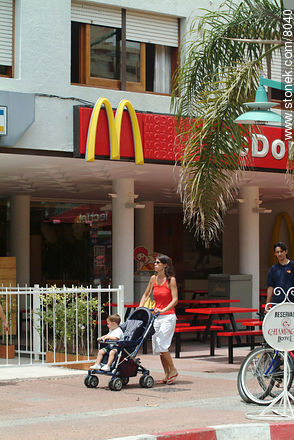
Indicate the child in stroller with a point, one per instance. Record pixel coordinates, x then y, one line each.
115 333
138 326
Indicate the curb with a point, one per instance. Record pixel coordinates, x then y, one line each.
256 431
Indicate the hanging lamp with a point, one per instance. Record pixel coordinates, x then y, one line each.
261 111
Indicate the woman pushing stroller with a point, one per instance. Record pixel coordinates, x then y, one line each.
165 293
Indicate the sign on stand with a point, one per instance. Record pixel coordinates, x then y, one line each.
278 332
278 327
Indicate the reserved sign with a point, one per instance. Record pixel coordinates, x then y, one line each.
278 327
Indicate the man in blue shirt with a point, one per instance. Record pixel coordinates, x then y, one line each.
280 275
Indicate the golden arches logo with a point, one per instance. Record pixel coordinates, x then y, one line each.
114 128
276 233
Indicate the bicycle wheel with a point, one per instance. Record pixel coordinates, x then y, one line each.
261 375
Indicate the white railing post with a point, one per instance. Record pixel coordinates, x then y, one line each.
99 312
121 302
36 323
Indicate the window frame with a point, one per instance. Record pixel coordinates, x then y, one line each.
84 78
10 69
84 67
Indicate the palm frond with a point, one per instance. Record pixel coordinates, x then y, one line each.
218 75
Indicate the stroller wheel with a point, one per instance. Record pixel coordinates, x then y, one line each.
115 384
86 381
93 381
146 381
125 380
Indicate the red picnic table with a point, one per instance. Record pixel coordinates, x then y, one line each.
203 302
224 311
208 301
252 323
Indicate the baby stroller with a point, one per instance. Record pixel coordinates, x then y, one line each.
137 327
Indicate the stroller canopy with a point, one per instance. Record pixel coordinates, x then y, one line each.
136 324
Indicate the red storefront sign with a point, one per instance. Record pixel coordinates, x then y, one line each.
268 148
88 214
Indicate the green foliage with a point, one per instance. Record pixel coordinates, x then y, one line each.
220 72
70 316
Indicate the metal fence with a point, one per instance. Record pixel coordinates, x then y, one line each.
56 326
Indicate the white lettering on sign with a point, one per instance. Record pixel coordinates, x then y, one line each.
92 217
260 147
278 149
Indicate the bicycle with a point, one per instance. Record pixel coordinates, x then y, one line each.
261 375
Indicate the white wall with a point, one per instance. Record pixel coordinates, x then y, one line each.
42 66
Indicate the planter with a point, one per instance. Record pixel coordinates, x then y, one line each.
60 357
3 352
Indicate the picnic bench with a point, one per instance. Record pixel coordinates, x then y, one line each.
230 335
184 328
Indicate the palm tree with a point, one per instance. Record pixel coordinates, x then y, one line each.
222 64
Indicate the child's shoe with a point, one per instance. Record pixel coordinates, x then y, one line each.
95 367
105 368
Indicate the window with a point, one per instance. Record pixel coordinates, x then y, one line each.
6 37
113 48
70 243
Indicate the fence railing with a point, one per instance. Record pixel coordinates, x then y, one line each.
55 325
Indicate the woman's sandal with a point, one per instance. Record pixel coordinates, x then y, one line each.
172 379
161 381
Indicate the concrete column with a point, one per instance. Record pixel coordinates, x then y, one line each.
123 237
20 236
249 238
144 227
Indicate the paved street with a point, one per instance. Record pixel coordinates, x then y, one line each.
56 407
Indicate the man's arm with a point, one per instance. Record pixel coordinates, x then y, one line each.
269 294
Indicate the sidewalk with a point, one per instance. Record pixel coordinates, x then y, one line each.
52 403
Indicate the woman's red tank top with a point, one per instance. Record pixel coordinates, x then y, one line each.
162 295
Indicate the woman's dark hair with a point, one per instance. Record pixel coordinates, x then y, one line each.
169 269
282 245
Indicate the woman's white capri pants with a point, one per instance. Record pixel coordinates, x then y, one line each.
164 326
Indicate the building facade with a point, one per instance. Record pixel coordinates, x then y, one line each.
73 221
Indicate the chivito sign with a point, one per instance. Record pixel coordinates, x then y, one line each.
124 134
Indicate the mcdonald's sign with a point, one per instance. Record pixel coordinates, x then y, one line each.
123 134
114 129
126 134
268 149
